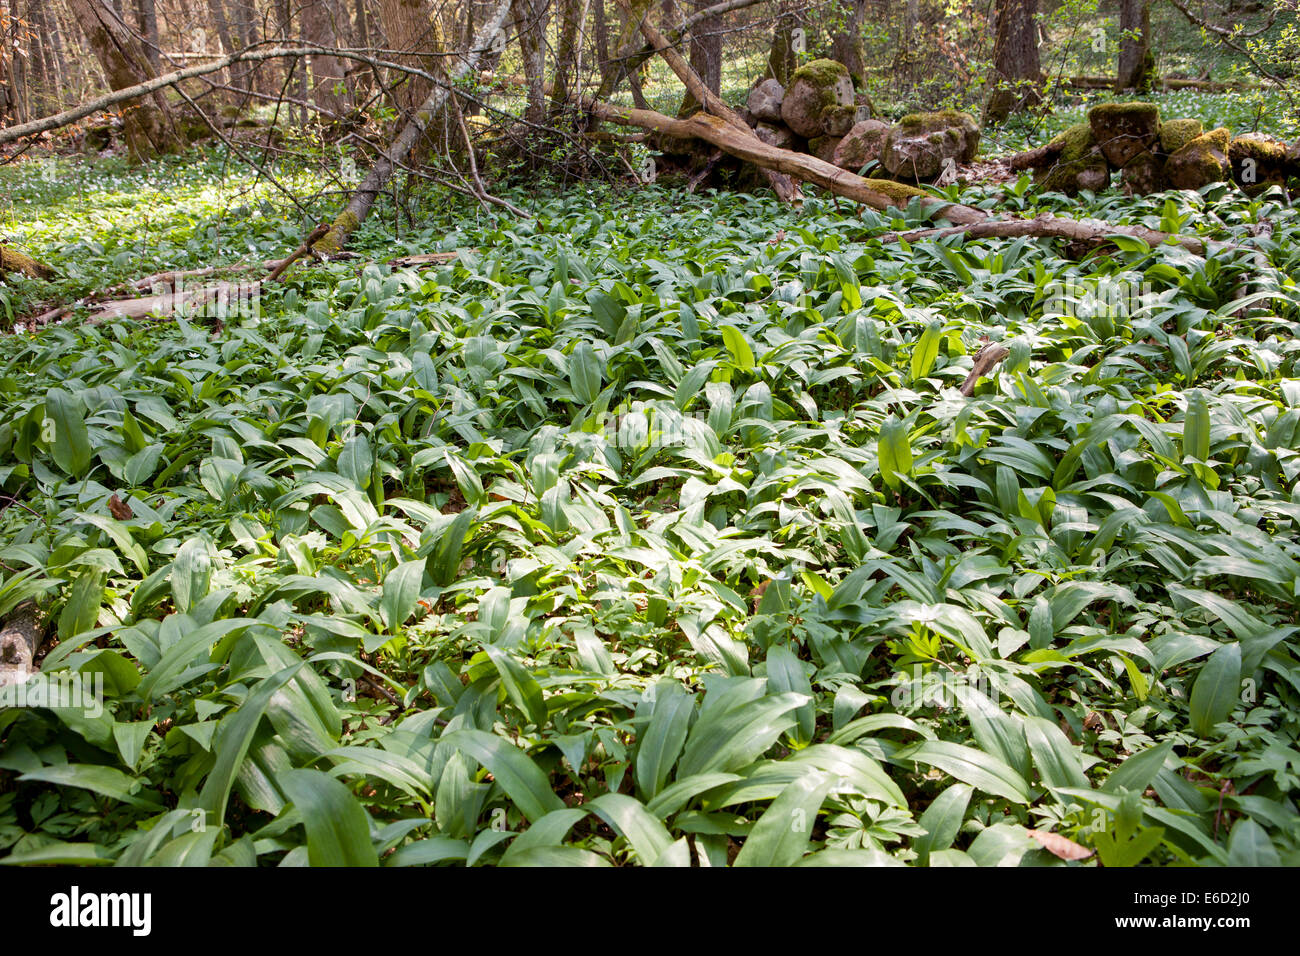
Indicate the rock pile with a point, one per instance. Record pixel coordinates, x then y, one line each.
818 113
1151 155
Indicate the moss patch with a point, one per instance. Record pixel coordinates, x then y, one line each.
1200 162
1177 133
821 73
334 240
11 260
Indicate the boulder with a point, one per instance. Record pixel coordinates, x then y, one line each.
1143 174
1200 162
814 87
861 145
1079 163
778 136
1258 161
823 147
1123 130
765 101
1177 133
917 147
838 120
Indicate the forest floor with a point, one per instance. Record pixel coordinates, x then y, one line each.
649 521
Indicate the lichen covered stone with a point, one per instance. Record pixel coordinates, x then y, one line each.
823 147
1200 162
813 88
1079 163
1143 174
765 101
838 120
918 148
1258 162
1123 130
861 145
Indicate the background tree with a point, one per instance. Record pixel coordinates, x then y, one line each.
1136 61
1016 81
149 125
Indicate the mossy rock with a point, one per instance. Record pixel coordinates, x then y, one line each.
1200 162
861 145
837 120
1144 174
823 147
813 88
1123 130
1258 162
1079 163
1177 133
920 145
900 194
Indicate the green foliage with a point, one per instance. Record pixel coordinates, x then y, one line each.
656 530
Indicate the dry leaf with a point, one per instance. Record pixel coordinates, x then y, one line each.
1060 846
120 509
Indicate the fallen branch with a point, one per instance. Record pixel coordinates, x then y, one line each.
1086 82
302 250
1092 232
985 359
785 190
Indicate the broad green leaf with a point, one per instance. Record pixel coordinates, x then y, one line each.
1217 689
338 827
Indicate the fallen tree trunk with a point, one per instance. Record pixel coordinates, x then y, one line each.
879 194
1091 232
1087 82
165 292
358 207
11 260
885 194
785 190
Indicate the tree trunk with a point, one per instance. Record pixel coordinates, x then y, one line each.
1136 62
44 73
846 43
413 30
319 24
244 32
149 126
217 8
146 12
7 96
568 55
781 57
706 58
1015 83
530 27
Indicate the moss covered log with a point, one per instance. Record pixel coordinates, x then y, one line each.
11 260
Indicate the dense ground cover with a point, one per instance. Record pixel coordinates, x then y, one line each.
656 530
